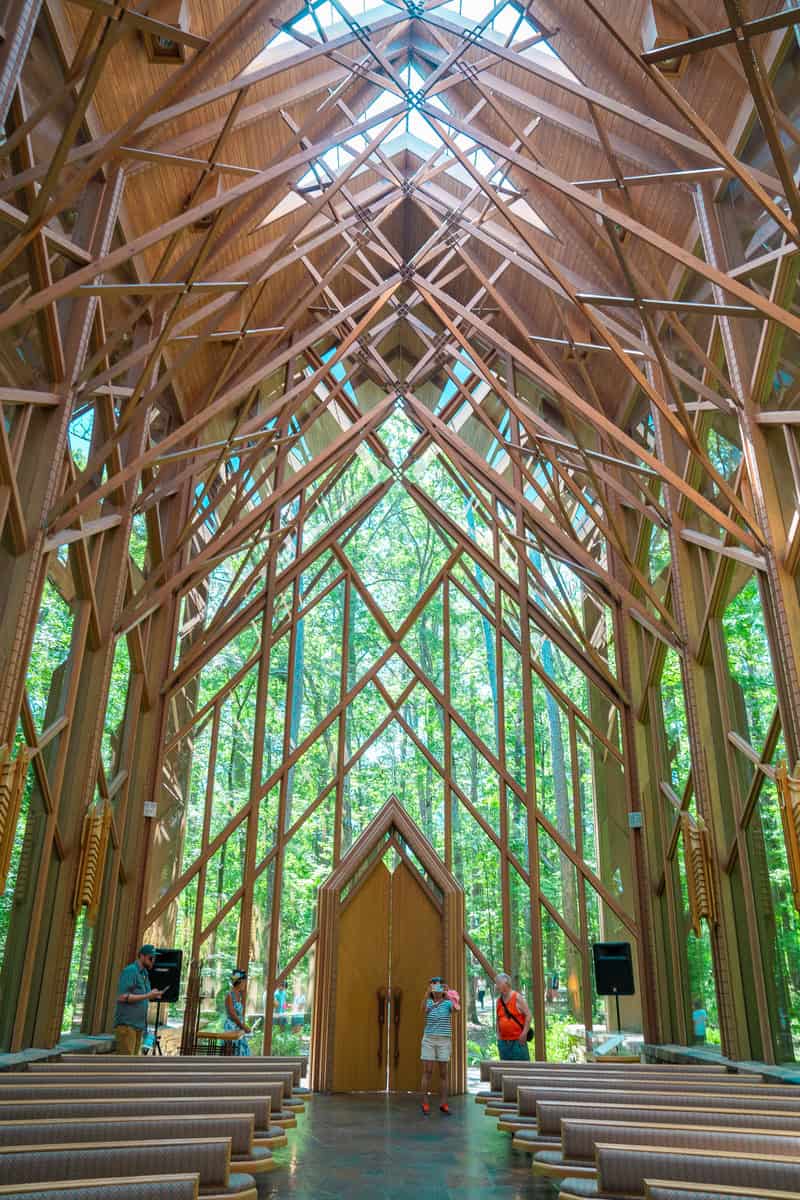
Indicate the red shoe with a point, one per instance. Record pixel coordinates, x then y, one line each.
426 1108
445 1108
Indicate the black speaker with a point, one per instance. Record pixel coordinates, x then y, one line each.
613 968
166 973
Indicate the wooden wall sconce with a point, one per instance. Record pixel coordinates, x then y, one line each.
699 872
94 844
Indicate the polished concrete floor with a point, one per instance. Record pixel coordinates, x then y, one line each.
359 1146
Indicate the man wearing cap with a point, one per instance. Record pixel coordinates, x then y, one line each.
133 996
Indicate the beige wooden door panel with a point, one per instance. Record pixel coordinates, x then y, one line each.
416 954
362 969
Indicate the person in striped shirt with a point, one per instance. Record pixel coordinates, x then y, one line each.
437 1041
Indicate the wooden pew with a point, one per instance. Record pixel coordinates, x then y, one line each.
528 1084
265 1134
551 1114
296 1062
58 1131
208 1157
140 1187
493 1094
111 1090
121 1079
671 1189
526 1127
224 1083
579 1138
622 1170
487 1064
504 1084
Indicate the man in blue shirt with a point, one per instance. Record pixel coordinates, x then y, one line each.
133 996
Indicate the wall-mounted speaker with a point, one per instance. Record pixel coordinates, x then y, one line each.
613 968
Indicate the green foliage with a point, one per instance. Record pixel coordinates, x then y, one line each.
750 663
562 1044
676 727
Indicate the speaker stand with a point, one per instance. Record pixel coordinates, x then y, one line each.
157 1040
616 997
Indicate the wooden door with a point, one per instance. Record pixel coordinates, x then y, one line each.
362 969
417 953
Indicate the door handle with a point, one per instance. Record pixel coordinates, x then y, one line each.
397 998
381 1022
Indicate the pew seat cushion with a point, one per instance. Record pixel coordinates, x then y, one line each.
532 1145
552 1162
272 1137
257 1160
531 1137
582 1187
238 1182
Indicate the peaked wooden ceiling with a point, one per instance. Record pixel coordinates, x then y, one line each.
258 323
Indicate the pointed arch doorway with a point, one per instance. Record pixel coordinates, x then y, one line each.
390 916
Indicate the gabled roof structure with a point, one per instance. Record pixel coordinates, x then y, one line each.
280 280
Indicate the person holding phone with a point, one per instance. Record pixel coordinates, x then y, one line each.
437 1040
513 1021
234 1011
134 993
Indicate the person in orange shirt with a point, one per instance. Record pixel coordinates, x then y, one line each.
513 1022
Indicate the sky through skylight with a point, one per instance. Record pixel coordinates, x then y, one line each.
322 20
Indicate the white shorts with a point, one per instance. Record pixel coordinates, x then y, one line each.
436 1048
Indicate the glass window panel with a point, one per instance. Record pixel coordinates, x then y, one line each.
115 708
307 863
563 1007
676 728
750 663
72 1015
46 678
778 923
476 865
291 1029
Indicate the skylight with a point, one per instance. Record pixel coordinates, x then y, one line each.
322 20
